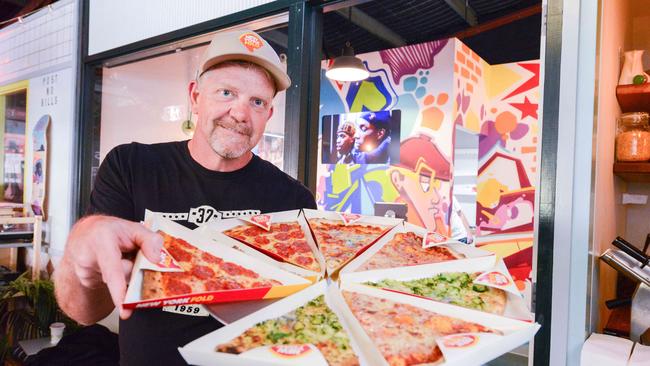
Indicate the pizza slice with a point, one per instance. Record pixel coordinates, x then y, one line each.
285 241
313 323
405 249
455 288
202 272
406 334
339 243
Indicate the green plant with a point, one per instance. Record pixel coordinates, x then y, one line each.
27 308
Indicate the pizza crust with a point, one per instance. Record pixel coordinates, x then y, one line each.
151 285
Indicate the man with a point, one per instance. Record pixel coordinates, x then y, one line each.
372 139
214 174
344 143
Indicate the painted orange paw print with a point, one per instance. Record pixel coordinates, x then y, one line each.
432 116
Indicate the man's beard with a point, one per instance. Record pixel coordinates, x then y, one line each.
231 140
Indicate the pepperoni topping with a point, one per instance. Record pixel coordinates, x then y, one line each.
222 284
304 260
284 227
210 258
252 231
179 254
182 243
284 250
301 246
234 270
297 234
202 272
261 240
281 236
176 287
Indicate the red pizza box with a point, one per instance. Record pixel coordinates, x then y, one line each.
491 274
378 257
350 219
498 335
215 231
290 283
203 351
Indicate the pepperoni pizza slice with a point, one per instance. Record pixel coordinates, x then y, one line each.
339 242
405 249
202 272
285 241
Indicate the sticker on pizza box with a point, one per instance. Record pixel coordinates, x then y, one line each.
497 279
263 221
166 263
456 345
288 354
349 218
432 239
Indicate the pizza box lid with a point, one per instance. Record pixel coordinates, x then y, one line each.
470 252
515 304
482 348
291 282
214 229
387 222
202 350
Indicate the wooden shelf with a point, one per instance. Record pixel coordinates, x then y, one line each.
634 98
633 172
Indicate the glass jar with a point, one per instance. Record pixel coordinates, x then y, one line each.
633 137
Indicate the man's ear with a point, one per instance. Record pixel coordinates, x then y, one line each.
193 90
381 134
397 178
270 113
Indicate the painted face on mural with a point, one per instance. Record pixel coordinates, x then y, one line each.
367 136
233 104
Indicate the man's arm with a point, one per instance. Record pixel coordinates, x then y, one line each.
93 274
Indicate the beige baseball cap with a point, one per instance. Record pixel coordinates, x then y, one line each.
245 45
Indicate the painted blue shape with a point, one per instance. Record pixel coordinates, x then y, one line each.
410 83
420 92
381 87
330 101
423 80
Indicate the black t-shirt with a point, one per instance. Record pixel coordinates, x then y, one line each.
164 178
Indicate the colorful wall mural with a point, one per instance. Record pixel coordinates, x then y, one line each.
436 86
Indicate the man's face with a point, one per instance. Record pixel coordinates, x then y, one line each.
344 142
422 191
233 104
367 136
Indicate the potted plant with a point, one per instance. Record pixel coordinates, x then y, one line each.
27 308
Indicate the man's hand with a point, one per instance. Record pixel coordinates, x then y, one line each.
97 265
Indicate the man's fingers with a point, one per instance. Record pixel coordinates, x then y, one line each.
149 242
110 263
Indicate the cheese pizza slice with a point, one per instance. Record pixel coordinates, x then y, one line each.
285 241
339 243
405 249
403 333
202 272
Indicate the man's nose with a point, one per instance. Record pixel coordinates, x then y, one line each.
239 110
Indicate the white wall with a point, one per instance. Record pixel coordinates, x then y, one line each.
44 45
115 23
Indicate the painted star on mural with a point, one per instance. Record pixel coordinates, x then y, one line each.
527 108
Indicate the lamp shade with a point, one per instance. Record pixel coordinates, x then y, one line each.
347 67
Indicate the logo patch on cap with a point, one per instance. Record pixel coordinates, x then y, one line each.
251 41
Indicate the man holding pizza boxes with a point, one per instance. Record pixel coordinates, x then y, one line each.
213 175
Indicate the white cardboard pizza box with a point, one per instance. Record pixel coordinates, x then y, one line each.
290 282
387 222
471 253
202 350
214 229
484 348
515 306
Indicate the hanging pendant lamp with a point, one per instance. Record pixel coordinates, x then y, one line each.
347 67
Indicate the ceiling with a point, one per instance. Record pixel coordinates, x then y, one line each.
499 31
10 9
